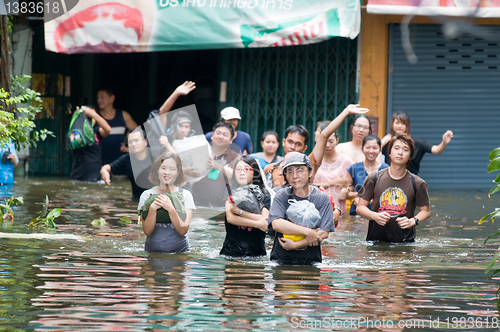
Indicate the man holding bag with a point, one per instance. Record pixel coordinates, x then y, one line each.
297 171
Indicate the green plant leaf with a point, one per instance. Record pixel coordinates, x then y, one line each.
494 154
45 207
494 190
125 220
497 234
54 213
494 165
99 223
492 263
6 208
489 215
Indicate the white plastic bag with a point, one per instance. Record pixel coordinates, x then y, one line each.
195 152
303 213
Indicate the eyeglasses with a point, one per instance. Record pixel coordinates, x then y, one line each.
298 170
246 170
358 126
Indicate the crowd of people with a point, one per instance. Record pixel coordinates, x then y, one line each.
295 198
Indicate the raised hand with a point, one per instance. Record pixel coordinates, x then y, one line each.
185 88
447 136
355 109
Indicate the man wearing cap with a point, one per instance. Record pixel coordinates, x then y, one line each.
232 116
297 172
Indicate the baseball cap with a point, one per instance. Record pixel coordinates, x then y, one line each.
296 158
229 113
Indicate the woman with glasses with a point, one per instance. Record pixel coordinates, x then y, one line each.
360 129
246 231
400 124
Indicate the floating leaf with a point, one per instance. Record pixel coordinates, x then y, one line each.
54 213
99 223
125 220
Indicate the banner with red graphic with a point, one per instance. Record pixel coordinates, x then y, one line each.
100 26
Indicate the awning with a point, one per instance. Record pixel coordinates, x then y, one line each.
489 8
100 26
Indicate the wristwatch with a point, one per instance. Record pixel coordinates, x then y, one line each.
241 212
416 221
337 208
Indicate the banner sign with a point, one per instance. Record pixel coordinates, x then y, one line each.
489 8
98 26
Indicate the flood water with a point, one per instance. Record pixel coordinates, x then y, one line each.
98 283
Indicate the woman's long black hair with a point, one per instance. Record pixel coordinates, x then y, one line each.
257 178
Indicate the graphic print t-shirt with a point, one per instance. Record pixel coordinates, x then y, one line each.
396 197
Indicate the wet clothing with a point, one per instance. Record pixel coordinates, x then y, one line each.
245 241
6 165
165 238
305 255
358 175
242 139
328 172
86 162
211 190
123 166
421 147
397 197
110 145
259 157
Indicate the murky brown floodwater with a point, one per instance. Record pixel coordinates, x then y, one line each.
110 283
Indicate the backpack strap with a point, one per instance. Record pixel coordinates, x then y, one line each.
413 182
375 180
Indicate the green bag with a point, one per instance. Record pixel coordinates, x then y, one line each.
162 215
80 132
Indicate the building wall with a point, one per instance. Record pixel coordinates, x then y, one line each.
374 68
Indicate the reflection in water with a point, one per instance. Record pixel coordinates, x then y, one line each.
108 284
163 277
96 291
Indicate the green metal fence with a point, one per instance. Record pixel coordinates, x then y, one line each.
279 86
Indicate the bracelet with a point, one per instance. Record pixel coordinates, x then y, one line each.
337 208
241 212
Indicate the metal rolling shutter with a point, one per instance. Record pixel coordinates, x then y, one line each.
455 85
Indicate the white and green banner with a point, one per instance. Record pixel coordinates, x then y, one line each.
97 26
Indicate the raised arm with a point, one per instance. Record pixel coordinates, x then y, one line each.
438 149
319 147
385 139
182 90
